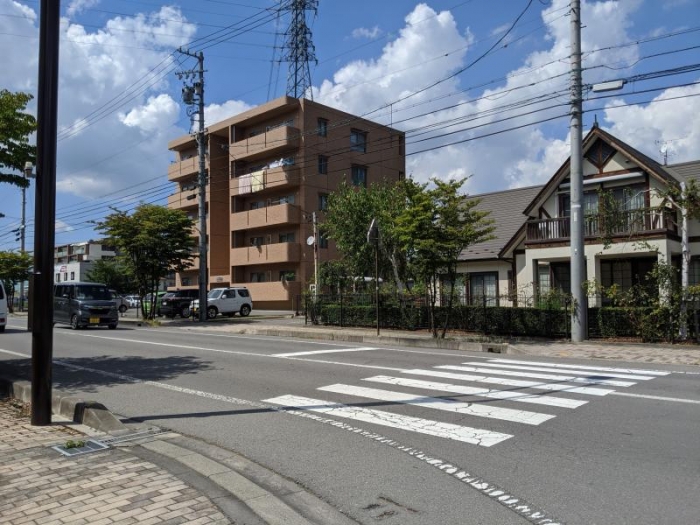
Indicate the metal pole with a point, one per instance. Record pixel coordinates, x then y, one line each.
579 312
41 302
316 243
376 277
21 246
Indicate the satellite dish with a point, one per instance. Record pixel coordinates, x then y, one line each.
310 241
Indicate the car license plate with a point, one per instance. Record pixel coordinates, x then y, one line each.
94 320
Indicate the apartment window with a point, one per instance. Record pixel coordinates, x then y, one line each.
323 165
257 277
287 275
257 205
287 237
186 281
72 276
358 140
65 276
359 176
58 278
322 240
322 201
322 127
256 241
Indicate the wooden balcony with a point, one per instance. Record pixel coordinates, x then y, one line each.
268 216
277 140
281 252
183 169
272 178
628 223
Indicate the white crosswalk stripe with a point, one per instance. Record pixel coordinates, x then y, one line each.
586 373
475 436
484 369
587 390
522 397
582 367
471 409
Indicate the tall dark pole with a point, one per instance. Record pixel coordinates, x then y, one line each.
579 312
41 301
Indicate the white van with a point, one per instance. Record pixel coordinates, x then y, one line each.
3 308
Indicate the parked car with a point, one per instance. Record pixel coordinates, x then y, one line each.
83 304
177 303
3 308
120 300
147 302
226 301
134 301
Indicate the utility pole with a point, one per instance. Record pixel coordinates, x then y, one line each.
685 261
28 174
314 219
579 311
190 95
41 303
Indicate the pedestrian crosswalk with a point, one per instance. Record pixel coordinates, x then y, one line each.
406 390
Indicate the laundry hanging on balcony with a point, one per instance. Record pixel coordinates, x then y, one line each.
257 180
244 183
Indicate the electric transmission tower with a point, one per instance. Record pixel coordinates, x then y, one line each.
299 49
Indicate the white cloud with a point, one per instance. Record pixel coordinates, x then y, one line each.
217 112
158 113
363 32
78 6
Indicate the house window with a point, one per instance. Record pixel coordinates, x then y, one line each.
287 275
322 201
256 241
358 140
544 281
65 276
257 277
322 127
599 154
627 273
323 165
58 278
359 176
72 276
483 289
287 237
694 272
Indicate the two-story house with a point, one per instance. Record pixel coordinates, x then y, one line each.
530 254
269 169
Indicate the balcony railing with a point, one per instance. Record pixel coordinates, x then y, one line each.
267 143
184 168
265 179
267 216
281 252
620 224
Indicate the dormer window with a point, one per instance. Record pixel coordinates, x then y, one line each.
599 154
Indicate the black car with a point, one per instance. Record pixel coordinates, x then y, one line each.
177 303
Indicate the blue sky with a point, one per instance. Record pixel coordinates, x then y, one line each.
120 99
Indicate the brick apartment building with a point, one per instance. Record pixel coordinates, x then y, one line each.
269 169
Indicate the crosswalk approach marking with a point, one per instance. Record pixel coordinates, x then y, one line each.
486 370
448 405
582 367
475 436
330 351
587 373
522 397
587 390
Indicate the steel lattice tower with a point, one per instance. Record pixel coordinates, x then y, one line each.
299 49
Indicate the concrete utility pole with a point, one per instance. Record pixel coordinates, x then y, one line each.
190 94
41 303
685 262
579 311
314 219
28 174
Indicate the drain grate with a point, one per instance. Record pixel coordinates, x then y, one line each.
90 446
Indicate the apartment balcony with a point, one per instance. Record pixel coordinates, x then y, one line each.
268 216
272 142
266 179
282 252
641 222
183 169
273 291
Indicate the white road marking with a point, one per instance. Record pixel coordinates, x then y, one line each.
475 436
608 382
523 397
334 351
659 398
582 367
448 405
586 373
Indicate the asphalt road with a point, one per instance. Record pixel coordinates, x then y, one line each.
376 432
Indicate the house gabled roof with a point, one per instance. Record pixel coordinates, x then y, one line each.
686 170
508 220
647 163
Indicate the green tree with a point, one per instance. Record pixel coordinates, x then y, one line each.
434 227
155 241
349 214
15 268
15 128
116 273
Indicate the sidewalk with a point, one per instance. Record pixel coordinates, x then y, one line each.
145 477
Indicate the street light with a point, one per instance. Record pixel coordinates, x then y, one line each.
28 174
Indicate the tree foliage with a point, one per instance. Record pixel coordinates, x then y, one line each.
15 128
116 273
15 267
154 240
